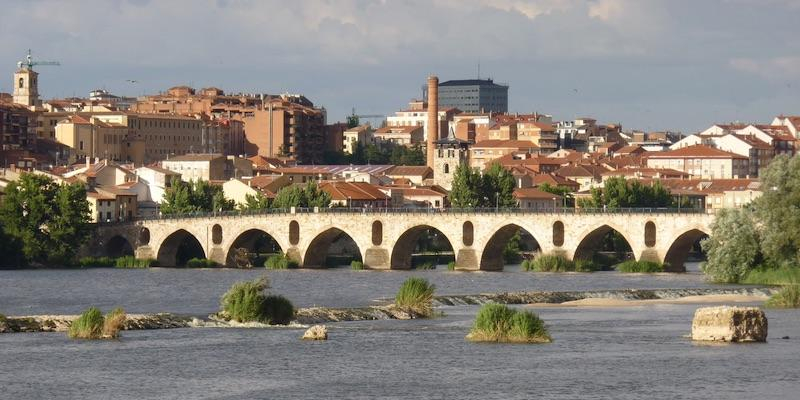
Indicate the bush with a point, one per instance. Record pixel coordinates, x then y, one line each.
525 265
550 263
427 265
87 262
356 265
451 266
416 297
92 325
499 323
773 276
201 263
248 301
787 297
133 262
113 323
640 266
278 310
280 261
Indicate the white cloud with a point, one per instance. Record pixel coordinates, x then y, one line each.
775 69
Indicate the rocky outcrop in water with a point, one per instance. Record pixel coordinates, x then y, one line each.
729 324
61 323
563 297
316 332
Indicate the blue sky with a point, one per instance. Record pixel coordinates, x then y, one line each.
649 64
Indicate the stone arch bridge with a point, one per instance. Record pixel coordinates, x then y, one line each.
386 238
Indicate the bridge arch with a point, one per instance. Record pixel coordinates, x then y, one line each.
318 249
493 257
118 246
595 240
406 244
256 245
179 247
680 247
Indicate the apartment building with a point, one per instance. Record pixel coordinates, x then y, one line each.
702 161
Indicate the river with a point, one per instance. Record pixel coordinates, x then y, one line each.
614 353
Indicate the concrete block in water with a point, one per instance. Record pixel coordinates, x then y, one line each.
729 324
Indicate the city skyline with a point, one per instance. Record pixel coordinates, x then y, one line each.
655 66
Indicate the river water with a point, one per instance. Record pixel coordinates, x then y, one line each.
610 353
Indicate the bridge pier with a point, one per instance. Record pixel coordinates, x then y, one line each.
377 258
217 254
144 252
467 260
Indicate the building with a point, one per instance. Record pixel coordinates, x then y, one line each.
535 199
157 179
17 127
702 161
415 175
205 167
400 135
473 95
26 87
92 138
417 115
450 153
355 194
483 153
274 125
358 135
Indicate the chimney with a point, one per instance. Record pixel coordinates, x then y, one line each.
433 117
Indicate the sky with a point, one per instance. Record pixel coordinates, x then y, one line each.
678 65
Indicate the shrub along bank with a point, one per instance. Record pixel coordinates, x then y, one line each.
500 323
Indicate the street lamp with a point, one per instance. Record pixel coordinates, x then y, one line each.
349 203
496 201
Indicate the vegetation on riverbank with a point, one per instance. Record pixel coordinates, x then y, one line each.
91 324
120 262
451 266
356 265
500 323
745 244
133 262
42 222
787 297
280 261
249 301
415 296
201 263
558 263
640 266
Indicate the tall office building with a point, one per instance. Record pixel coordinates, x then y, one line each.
473 95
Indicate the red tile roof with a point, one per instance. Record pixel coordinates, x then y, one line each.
353 191
696 151
508 144
533 193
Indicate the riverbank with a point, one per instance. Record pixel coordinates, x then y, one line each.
316 315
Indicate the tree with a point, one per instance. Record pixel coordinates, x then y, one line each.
69 223
196 196
617 192
778 211
315 197
49 221
287 197
466 190
498 187
178 198
733 248
562 191
255 203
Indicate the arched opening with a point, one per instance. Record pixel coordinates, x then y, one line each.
118 246
178 248
558 234
421 247
377 233
216 234
21 83
446 169
650 234
509 245
685 248
251 249
467 233
331 248
294 233
605 246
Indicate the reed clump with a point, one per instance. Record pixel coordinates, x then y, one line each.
502 324
415 296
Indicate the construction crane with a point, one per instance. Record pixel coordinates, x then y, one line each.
29 63
367 116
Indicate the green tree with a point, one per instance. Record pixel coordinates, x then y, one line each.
352 121
316 197
178 198
778 211
733 248
617 192
498 187
255 203
68 226
289 196
48 221
467 187
218 201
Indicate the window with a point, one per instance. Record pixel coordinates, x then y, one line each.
21 82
